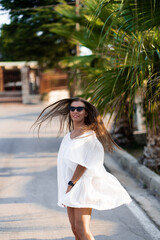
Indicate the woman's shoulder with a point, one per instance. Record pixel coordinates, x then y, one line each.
88 134
65 138
92 146
95 142
91 139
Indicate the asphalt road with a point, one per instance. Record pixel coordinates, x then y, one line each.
28 187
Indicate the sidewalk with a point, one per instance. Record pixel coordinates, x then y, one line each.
28 187
142 196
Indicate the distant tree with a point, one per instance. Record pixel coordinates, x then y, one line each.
28 36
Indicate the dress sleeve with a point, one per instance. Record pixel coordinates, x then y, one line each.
87 153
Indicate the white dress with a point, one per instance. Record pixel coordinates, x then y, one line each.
96 188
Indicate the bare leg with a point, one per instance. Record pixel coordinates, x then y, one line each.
70 212
82 217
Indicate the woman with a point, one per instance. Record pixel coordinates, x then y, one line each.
83 183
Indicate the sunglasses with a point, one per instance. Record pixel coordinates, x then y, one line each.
79 109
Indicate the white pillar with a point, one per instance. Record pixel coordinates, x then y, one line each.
25 84
1 80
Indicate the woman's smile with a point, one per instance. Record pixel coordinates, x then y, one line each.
75 115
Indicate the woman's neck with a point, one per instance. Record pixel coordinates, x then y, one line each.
78 126
77 131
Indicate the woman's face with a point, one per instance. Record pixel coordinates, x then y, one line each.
78 116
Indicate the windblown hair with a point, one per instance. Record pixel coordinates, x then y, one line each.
93 120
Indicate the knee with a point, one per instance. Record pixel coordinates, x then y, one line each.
80 230
73 229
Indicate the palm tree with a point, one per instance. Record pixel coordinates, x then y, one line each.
123 37
138 40
94 65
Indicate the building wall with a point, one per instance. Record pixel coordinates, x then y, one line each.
1 79
19 78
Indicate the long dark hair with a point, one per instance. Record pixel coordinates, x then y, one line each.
93 120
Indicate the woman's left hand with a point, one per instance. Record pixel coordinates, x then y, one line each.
68 188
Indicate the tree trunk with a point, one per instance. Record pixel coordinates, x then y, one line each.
122 130
151 154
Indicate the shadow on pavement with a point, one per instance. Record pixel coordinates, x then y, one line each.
102 237
26 146
20 117
67 238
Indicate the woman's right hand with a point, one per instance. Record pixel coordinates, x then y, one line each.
68 188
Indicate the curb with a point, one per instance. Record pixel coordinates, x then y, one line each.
147 177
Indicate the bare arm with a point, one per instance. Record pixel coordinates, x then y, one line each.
76 176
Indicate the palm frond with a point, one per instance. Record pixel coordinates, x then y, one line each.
77 61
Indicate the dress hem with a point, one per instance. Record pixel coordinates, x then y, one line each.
91 206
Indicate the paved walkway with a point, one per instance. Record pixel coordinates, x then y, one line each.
28 187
